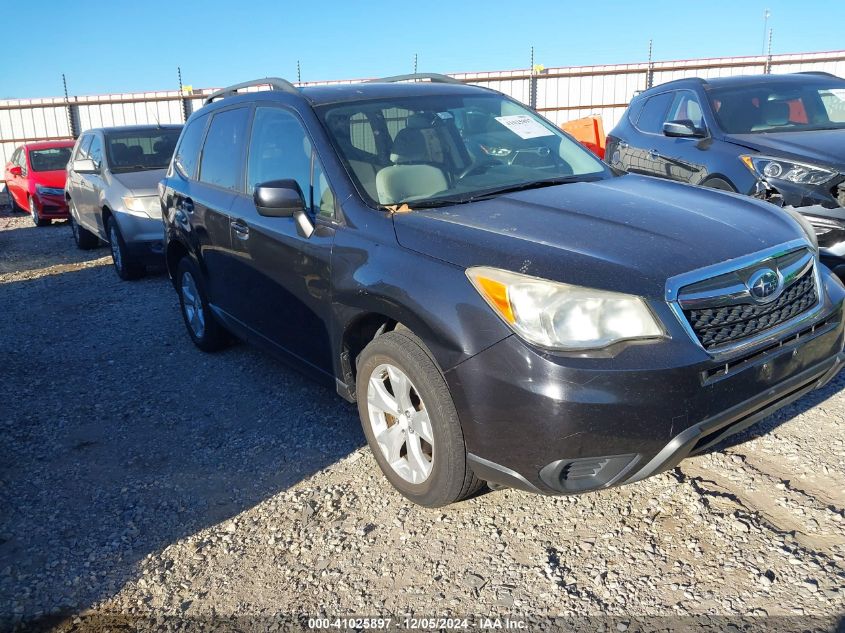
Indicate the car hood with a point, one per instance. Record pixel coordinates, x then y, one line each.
628 233
55 178
141 183
816 146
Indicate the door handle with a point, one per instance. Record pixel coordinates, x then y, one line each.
240 228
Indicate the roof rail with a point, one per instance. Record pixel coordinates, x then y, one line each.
432 77
275 83
821 73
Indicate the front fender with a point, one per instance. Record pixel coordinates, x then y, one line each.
432 298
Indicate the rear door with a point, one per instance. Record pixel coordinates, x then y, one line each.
283 289
203 202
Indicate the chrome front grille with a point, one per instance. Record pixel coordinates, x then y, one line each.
721 310
726 324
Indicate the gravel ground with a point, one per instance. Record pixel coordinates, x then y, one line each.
142 480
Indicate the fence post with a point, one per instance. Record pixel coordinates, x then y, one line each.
72 112
768 67
649 73
185 103
532 84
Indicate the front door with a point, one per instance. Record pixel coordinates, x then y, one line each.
284 278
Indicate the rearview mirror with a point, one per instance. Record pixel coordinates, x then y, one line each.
84 166
283 199
16 170
682 128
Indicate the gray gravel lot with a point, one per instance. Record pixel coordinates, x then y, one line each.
142 478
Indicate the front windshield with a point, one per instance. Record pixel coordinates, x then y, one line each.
52 159
780 106
451 148
141 149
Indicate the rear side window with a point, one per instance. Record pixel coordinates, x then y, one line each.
187 155
222 154
653 113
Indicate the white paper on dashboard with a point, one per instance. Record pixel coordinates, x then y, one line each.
524 126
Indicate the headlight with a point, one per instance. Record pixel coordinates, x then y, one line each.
138 204
562 316
787 170
809 231
41 190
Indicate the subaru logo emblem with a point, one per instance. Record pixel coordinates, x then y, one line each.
764 285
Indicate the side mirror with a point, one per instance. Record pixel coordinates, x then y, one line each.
283 199
683 129
16 170
84 166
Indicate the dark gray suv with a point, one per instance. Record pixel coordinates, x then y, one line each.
501 305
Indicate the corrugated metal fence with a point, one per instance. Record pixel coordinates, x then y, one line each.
561 94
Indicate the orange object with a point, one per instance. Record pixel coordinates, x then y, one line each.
588 131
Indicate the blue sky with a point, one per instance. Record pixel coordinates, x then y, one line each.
122 46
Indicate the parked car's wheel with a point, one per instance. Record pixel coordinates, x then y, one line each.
203 327
410 421
85 239
126 268
720 184
37 220
13 206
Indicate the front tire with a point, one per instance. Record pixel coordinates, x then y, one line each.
410 422
37 220
13 206
85 239
203 328
127 269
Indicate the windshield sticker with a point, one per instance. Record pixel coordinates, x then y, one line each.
524 126
445 115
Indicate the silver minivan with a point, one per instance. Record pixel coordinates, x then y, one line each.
112 192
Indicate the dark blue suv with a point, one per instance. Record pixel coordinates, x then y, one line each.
500 304
776 137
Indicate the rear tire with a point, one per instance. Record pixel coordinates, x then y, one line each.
85 239
203 328
127 268
420 446
37 220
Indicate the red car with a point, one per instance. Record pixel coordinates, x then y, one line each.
35 180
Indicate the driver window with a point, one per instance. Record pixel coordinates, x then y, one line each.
685 107
96 151
280 148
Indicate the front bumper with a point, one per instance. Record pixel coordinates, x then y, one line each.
561 424
144 237
51 207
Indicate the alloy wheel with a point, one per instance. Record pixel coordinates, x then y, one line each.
116 253
192 305
400 423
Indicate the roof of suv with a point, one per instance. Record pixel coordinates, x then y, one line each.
740 80
388 87
319 95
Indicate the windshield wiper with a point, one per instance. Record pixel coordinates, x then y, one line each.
534 184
